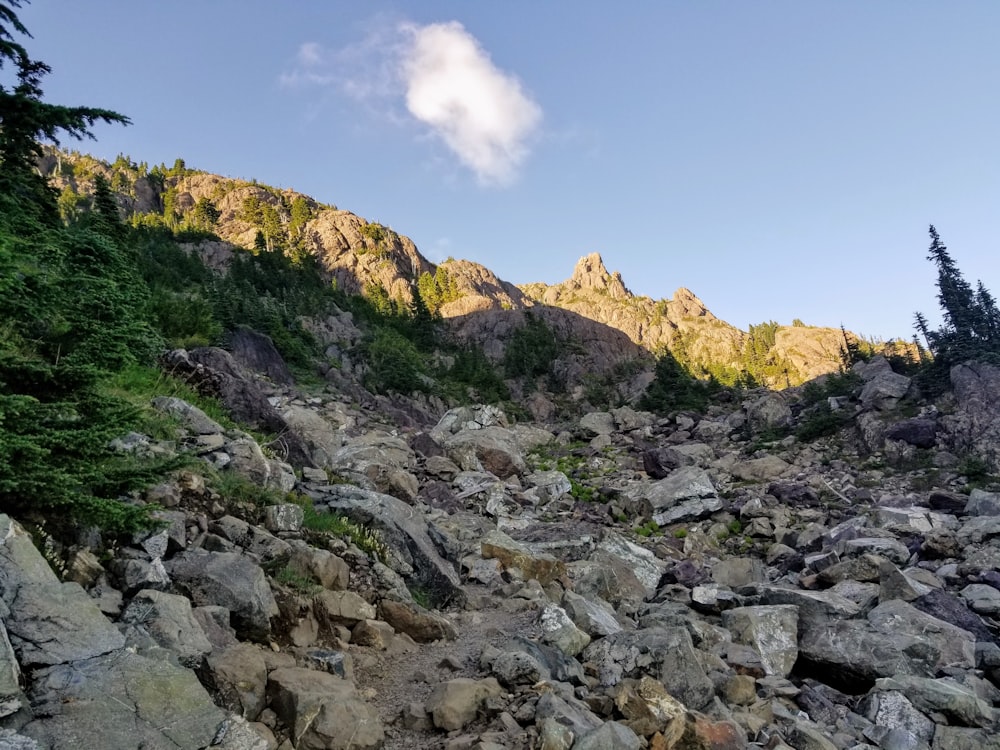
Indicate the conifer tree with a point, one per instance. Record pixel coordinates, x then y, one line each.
971 320
71 308
25 119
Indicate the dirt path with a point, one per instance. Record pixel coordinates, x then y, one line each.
393 679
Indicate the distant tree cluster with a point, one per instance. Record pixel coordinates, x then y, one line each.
971 326
971 320
438 289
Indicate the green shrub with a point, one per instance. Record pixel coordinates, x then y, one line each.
364 537
650 528
236 488
531 350
673 389
830 386
394 364
295 580
55 427
821 421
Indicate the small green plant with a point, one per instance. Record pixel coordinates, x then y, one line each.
648 529
295 580
236 488
680 533
734 526
976 472
421 597
581 492
365 538
821 421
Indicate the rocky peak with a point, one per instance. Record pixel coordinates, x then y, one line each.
590 273
687 305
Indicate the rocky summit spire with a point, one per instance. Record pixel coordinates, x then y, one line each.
590 273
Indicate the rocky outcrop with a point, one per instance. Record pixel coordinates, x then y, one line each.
601 296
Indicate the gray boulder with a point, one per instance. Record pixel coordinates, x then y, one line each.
230 580
560 631
597 423
455 703
975 426
323 712
512 554
404 531
982 503
592 617
648 568
246 457
168 619
254 539
48 622
10 676
492 449
380 461
664 653
947 696
121 701
568 712
412 619
768 412
609 736
895 639
891 709
237 677
191 417
772 631
920 432
318 436
882 388
684 483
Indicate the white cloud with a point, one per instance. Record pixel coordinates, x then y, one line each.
444 79
310 53
481 113
312 66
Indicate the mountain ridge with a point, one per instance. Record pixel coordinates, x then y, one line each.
358 255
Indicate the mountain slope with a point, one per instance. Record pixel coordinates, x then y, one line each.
363 257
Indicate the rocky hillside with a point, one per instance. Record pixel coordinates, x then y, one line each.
359 255
686 327
699 582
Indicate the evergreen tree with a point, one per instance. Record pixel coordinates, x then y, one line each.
204 215
105 217
673 388
971 321
422 323
25 119
956 299
532 349
71 308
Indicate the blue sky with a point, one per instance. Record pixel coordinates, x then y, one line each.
780 158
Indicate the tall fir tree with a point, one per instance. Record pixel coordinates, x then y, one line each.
971 320
26 120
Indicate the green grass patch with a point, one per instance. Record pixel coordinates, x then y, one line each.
365 538
295 580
